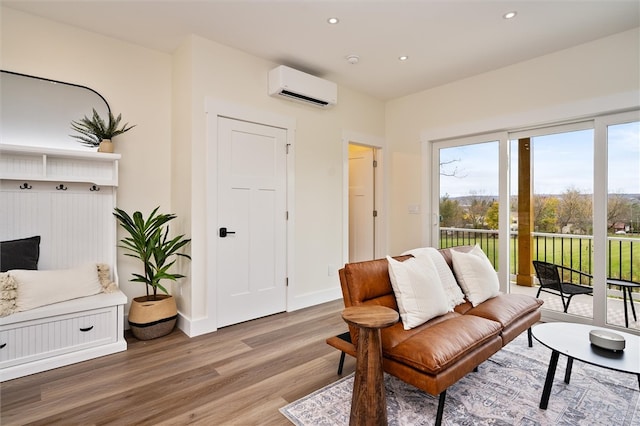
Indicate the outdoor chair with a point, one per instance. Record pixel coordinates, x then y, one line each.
551 281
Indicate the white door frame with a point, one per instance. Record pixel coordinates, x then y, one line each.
220 108
380 191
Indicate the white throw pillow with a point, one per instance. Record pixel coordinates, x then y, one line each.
448 280
39 288
418 290
476 275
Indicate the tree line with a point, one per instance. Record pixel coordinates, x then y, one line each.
569 212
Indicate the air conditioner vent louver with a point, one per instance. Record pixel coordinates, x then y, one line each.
303 98
301 87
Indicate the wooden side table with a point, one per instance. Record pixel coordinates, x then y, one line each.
369 404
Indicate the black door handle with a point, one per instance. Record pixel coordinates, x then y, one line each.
224 232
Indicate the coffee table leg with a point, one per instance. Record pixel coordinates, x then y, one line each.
567 372
546 391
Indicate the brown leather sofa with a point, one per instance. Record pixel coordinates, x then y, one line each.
438 353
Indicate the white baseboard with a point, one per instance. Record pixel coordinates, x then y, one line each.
313 298
193 328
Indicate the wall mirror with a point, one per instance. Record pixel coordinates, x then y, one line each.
38 112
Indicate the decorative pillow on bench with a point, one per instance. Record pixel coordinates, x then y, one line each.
8 294
418 290
20 254
39 288
31 288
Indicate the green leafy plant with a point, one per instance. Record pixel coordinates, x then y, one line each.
94 130
149 242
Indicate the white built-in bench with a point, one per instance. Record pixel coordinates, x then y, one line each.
66 197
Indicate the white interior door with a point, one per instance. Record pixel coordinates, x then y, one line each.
251 258
361 203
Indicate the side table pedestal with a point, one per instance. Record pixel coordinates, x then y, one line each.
368 404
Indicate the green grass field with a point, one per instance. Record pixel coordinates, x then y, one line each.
623 253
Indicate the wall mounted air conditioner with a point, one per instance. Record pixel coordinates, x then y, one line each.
302 87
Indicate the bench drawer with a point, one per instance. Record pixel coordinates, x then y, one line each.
28 341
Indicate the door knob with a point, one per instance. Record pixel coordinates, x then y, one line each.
224 232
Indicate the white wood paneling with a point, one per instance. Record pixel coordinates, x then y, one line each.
67 198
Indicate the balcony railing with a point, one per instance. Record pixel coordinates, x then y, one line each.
573 251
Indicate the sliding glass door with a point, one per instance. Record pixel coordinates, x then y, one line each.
621 225
552 213
565 194
466 188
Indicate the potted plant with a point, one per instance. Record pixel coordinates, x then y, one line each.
95 132
153 315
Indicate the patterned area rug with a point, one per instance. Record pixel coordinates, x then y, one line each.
506 390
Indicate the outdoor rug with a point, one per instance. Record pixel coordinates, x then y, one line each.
506 390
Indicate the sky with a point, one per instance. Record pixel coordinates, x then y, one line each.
561 161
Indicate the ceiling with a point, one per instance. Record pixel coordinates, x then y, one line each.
445 40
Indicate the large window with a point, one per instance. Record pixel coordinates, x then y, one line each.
623 222
567 194
467 187
552 210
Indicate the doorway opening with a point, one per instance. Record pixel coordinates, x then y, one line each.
363 210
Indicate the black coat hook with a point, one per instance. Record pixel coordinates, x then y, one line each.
94 188
61 187
26 186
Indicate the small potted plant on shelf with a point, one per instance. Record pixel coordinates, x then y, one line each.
153 315
95 132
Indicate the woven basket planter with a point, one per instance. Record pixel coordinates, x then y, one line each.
149 319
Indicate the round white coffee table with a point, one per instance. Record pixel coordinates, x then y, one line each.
572 340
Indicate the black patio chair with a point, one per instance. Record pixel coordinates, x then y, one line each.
550 278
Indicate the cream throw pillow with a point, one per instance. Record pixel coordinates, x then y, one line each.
418 290
104 273
39 288
448 280
476 275
8 294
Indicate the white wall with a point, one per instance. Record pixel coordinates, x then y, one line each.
134 80
590 77
230 76
163 157
164 95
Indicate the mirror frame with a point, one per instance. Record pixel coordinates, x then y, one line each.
20 126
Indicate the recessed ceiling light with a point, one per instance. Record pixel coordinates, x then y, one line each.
403 58
333 20
510 15
353 59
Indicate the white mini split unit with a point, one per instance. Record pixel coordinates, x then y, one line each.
302 87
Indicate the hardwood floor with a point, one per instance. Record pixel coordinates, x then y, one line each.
239 375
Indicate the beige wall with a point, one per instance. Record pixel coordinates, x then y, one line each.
587 78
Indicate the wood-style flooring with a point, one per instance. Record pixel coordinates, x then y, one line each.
239 375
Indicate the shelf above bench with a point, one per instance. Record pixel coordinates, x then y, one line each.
57 165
